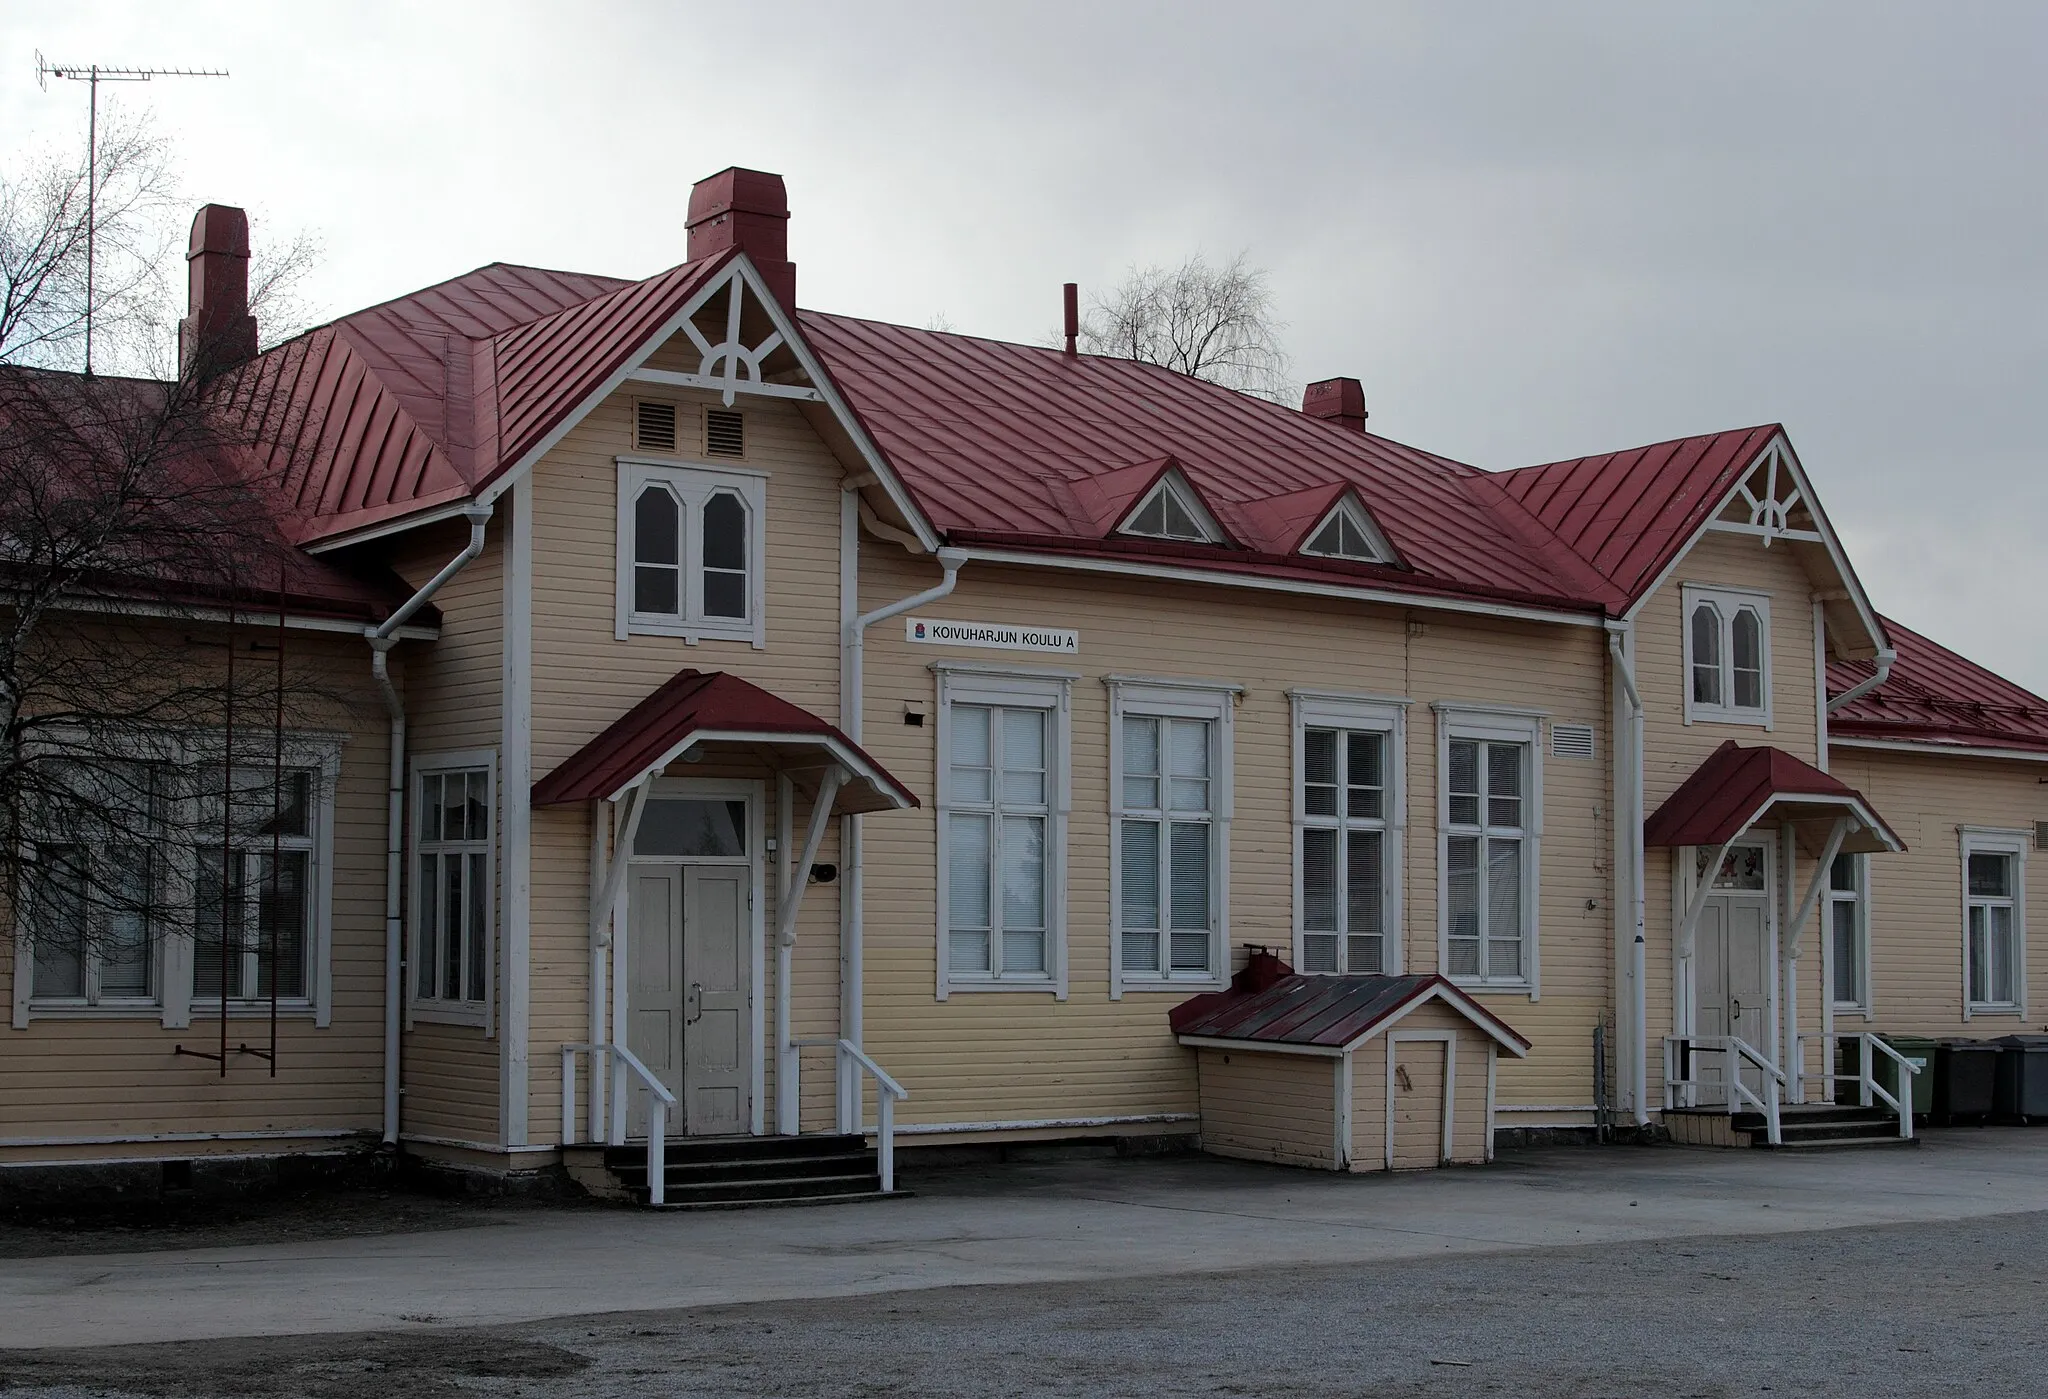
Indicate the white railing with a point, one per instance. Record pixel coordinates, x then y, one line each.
1868 1090
659 1101
850 1063
1683 1082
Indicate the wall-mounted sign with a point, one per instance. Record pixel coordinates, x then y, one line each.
999 636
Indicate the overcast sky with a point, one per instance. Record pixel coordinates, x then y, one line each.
1533 230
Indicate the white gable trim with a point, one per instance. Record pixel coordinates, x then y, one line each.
742 270
1361 519
1173 483
1789 460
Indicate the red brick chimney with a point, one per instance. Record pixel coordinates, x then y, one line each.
1341 401
217 322
748 210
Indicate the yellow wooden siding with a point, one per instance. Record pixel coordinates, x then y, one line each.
1268 1107
1916 898
994 1056
85 1074
585 678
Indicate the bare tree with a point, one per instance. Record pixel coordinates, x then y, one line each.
141 706
1214 323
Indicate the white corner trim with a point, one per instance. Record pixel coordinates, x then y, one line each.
515 793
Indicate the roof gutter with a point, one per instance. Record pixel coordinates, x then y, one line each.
382 638
1855 692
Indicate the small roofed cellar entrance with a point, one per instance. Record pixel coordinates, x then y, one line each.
1345 1073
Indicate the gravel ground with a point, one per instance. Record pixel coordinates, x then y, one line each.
1920 1310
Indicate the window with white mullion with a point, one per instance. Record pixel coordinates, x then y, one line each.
251 898
452 886
690 545
998 808
1848 924
1486 860
1994 922
1166 847
1727 656
1344 804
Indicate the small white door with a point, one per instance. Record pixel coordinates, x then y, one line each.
717 1076
654 986
1732 961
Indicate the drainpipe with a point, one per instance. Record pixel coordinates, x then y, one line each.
1638 1008
382 638
1877 677
854 879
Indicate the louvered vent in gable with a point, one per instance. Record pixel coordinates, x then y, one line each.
1571 740
725 433
654 426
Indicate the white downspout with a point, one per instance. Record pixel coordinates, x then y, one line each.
382 638
1877 678
1638 1008
853 879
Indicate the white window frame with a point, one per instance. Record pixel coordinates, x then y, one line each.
1355 714
1859 900
1348 506
1168 698
440 1010
1991 840
1492 724
1728 601
692 483
1172 483
1008 688
174 1001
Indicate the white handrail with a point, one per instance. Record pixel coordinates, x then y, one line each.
1735 1051
1774 1079
659 1101
851 1061
1869 1087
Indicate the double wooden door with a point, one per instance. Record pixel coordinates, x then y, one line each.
688 995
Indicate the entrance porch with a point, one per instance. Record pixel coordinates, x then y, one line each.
1739 1051
700 795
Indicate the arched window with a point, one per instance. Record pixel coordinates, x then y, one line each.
725 556
1748 656
657 552
1727 656
1706 654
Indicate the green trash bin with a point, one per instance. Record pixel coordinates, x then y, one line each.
1920 1051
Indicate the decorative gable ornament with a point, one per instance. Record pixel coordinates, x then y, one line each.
1771 502
1348 532
729 366
1172 510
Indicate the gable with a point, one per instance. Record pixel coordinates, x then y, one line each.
1173 509
1348 531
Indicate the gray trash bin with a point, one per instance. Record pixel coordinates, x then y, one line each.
2022 1089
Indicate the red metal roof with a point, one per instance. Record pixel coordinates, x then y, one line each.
1935 696
709 706
1326 1012
72 408
1736 786
424 400
1628 514
1014 444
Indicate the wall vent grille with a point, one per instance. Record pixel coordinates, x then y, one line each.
1571 740
654 426
725 433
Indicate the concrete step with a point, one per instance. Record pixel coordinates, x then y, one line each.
750 1192
683 1150
1839 1143
792 1202
678 1173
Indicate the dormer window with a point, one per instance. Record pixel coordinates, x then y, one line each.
1171 511
1347 532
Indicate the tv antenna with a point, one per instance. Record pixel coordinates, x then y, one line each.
93 75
